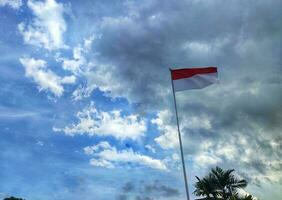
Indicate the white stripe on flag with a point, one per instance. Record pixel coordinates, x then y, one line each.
198 81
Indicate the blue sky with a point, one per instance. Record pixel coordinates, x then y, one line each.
86 106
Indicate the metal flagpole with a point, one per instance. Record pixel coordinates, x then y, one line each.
180 142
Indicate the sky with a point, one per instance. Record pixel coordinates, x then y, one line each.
86 107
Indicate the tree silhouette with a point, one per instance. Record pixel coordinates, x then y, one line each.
206 187
13 198
220 184
247 197
227 182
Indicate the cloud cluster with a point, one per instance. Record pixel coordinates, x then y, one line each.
44 77
47 27
108 156
137 48
243 144
132 58
15 4
78 64
143 44
236 124
93 122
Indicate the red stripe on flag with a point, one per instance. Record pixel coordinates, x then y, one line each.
189 72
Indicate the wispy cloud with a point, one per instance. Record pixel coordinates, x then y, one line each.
7 113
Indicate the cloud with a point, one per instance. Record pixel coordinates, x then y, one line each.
146 190
161 189
78 63
243 193
236 124
149 147
169 137
75 64
15 4
8 113
143 198
91 149
166 124
143 43
136 48
108 156
128 187
93 122
47 27
44 77
229 136
81 92
206 159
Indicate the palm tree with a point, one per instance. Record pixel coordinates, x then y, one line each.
247 197
219 184
201 188
227 182
13 198
206 187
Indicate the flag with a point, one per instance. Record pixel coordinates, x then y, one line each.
193 78
185 79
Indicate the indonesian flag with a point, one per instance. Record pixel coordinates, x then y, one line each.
193 78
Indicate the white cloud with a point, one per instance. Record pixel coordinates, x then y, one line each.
68 80
81 92
237 151
79 62
205 159
15 4
88 43
197 48
197 122
40 143
109 157
74 65
243 193
89 150
101 163
149 147
169 138
229 151
94 122
48 26
103 79
44 77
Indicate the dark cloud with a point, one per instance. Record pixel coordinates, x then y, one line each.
143 198
147 191
162 190
122 197
242 38
142 46
128 187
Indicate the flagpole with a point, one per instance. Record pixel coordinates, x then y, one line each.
180 142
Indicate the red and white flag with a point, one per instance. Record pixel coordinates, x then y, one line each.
193 78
